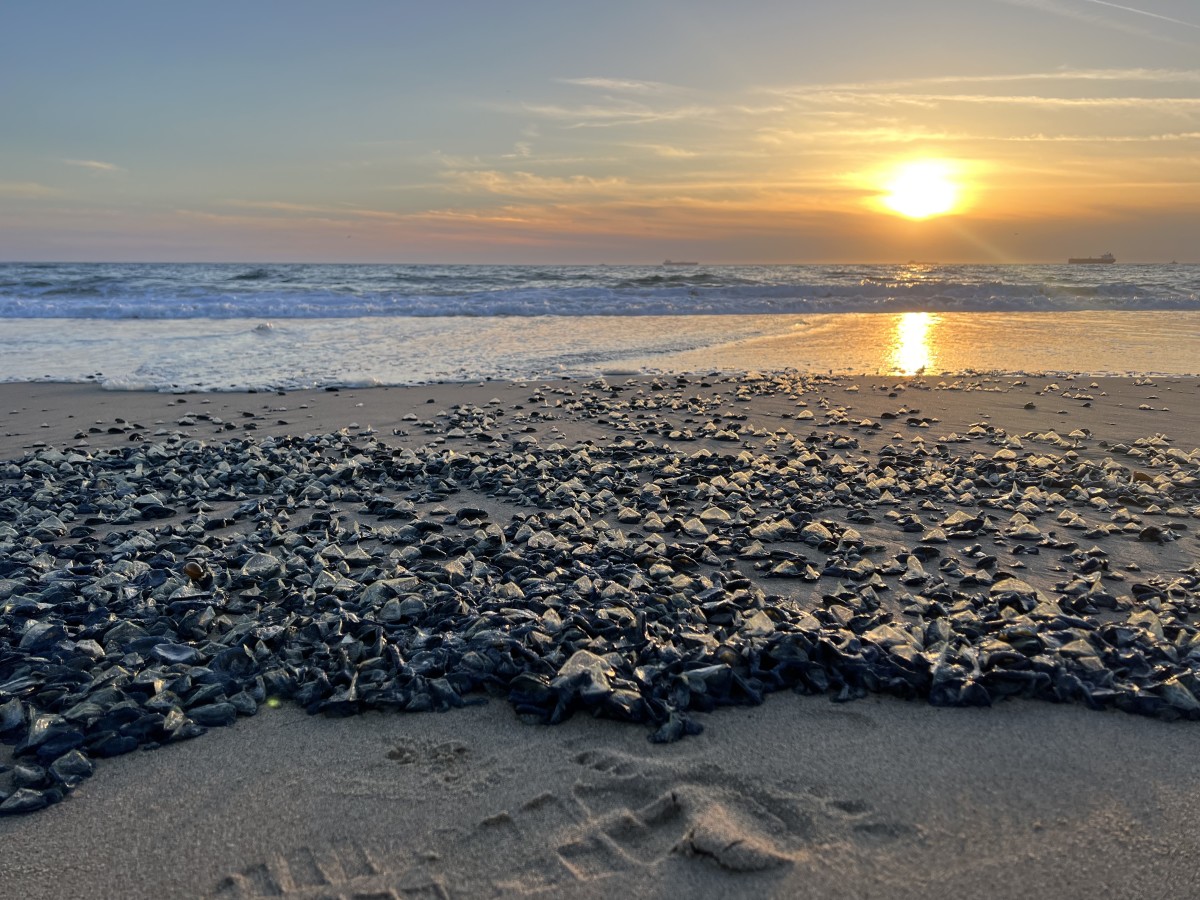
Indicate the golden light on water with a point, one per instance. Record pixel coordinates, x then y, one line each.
912 343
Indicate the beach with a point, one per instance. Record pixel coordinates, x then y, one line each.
880 796
600 451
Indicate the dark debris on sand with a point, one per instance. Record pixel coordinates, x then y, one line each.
150 592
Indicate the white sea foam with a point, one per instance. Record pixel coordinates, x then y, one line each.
237 354
236 327
127 291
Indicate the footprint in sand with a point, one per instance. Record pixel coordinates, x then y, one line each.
448 761
706 814
345 872
625 814
453 765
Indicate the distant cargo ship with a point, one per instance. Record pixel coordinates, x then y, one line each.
676 262
1093 260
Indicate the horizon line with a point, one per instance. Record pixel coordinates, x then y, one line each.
836 262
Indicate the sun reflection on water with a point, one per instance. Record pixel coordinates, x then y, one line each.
912 341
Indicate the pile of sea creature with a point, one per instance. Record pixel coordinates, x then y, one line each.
151 591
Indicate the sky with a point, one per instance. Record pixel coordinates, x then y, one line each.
619 132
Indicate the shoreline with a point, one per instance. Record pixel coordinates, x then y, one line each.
795 797
218 355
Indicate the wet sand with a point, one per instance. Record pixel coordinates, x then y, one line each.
798 797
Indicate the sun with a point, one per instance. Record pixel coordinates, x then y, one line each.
921 190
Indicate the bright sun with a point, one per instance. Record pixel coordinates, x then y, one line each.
920 190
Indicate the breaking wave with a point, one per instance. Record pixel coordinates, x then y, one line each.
158 291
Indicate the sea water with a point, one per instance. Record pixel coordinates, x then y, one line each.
237 327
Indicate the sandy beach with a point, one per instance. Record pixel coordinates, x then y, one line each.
797 797
577 450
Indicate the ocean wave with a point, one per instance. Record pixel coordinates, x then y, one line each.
259 274
691 278
322 292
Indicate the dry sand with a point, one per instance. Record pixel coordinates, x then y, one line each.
1116 409
799 797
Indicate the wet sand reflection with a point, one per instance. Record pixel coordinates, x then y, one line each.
912 342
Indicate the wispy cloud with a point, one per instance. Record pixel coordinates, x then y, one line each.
696 163
668 151
628 85
25 189
255 214
340 213
1057 8
1101 139
1140 75
1143 12
735 111
610 115
844 99
94 164
883 134
278 206
898 95
624 102
530 186
988 89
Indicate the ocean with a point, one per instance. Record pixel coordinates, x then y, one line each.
183 327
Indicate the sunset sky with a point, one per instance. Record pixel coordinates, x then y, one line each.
602 132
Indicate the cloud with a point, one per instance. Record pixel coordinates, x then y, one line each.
724 161
340 212
598 116
1158 76
1142 12
277 206
527 185
94 164
667 151
1103 139
620 84
864 135
1105 21
917 91
26 189
898 98
444 224
1130 89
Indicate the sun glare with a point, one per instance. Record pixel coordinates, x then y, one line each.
920 190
